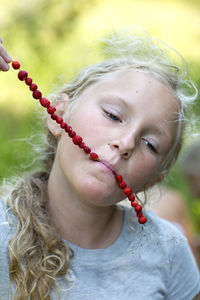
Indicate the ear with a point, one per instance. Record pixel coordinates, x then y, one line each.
157 180
60 103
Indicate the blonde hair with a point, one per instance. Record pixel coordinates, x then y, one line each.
37 254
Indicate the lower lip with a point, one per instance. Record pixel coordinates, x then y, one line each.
107 169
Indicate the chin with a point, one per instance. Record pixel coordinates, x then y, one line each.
97 193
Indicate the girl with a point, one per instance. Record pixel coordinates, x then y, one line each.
64 232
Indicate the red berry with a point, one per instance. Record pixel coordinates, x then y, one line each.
72 133
87 149
127 191
59 120
118 178
45 102
37 94
77 139
82 145
94 156
22 75
142 220
51 110
63 125
122 185
54 116
15 65
139 214
134 203
138 208
131 197
68 128
33 87
28 81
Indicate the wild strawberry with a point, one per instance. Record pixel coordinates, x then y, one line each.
15 64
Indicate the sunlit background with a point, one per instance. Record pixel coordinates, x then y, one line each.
53 39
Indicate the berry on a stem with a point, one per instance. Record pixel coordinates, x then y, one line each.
15 64
22 75
82 145
87 149
122 184
51 110
138 208
68 128
142 220
37 94
127 191
131 197
72 133
54 116
33 87
94 156
45 102
118 178
77 139
63 125
134 203
28 81
139 214
59 120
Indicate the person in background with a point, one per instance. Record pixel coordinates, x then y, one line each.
191 168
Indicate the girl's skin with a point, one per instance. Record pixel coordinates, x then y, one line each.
5 58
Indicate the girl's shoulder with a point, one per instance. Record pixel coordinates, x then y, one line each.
156 234
157 226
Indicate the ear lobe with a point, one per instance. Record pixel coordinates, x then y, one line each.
60 103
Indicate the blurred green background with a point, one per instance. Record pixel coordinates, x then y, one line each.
53 39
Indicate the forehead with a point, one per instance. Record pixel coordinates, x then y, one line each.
137 86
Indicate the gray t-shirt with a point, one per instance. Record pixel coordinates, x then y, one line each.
151 262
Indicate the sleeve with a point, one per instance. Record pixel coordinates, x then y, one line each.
184 276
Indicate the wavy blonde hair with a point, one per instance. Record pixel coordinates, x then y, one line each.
37 254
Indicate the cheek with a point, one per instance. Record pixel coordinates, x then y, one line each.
143 171
89 126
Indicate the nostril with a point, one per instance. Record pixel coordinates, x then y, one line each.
126 155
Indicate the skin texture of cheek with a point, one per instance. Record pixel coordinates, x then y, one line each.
142 181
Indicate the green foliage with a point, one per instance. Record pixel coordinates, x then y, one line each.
18 134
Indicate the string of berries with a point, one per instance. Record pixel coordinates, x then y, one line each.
134 203
76 139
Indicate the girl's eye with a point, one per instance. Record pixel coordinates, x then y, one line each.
150 146
113 117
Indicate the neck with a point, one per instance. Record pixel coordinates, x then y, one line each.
79 222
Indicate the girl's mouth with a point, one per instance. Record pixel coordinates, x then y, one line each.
107 166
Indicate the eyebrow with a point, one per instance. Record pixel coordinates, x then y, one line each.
116 97
160 131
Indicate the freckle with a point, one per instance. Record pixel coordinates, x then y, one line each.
137 91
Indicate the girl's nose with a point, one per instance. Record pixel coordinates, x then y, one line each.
124 145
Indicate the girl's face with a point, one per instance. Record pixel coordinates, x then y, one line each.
128 120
